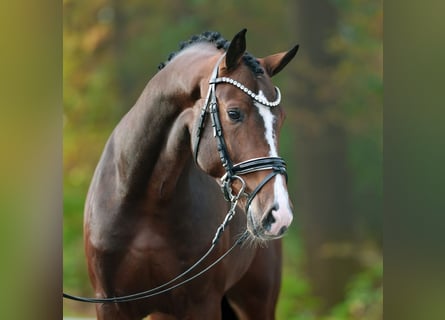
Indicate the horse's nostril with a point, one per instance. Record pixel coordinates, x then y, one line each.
282 230
269 219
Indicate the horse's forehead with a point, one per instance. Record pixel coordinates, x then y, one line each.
269 121
266 86
255 83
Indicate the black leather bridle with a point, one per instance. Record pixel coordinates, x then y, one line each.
235 171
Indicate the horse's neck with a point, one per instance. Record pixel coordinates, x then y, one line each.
150 143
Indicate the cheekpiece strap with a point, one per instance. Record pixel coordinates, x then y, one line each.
210 98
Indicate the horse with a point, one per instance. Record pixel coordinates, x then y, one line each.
208 119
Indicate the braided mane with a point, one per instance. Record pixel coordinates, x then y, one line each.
220 43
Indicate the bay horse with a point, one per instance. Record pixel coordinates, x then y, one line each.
154 202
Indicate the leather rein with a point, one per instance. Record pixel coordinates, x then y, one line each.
233 172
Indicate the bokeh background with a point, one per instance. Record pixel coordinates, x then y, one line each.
332 138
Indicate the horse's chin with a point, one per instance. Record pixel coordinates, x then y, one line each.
261 236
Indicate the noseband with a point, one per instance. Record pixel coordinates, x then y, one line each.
235 171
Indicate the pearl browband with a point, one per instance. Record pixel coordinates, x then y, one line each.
249 92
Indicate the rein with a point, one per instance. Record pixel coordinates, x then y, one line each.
165 287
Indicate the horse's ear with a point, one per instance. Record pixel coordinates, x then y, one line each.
236 50
276 62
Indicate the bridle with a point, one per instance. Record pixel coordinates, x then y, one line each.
235 171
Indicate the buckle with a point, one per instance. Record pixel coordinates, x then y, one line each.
226 187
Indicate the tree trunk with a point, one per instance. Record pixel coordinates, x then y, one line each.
324 190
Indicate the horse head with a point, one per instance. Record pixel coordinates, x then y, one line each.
246 116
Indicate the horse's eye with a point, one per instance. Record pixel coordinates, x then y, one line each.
234 114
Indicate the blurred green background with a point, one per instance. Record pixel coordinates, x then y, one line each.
332 138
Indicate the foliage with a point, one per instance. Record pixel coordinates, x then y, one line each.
364 298
364 293
360 75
